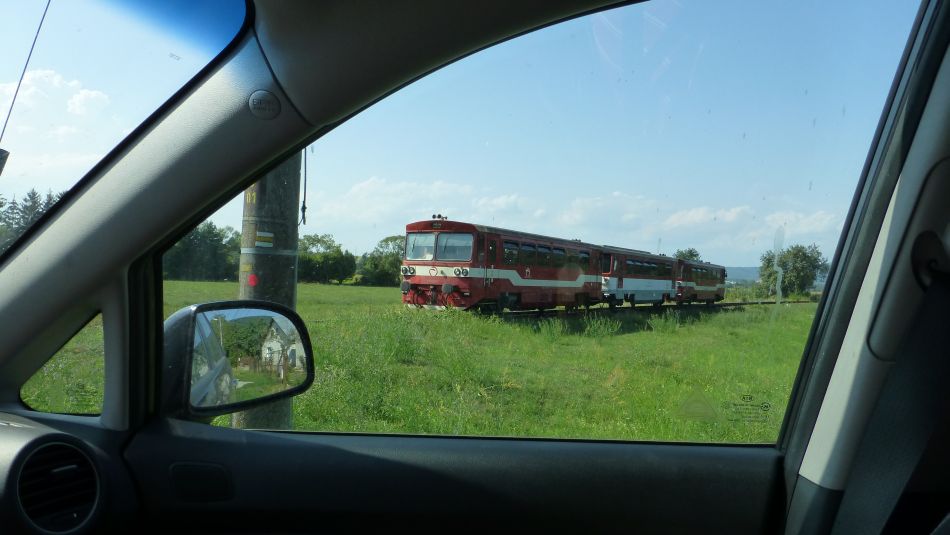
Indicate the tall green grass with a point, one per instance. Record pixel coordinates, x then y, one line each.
73 380
673 374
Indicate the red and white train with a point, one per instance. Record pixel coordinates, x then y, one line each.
462 265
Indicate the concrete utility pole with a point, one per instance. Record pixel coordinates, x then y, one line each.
268 267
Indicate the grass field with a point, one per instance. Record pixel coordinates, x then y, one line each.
675 375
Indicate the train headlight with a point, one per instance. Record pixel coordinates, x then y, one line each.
405 270
412 270
465 272
458 272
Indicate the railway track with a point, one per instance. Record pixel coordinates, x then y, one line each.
648 309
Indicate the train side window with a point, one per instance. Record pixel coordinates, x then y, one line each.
605 263
560 257
511 252
528 253
544 256
631 267
584 259
480 247
492 253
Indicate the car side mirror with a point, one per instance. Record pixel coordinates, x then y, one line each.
230 356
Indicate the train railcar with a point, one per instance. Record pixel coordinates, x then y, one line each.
636 277
463 265
698 282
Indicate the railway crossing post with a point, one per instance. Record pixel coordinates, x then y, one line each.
268 265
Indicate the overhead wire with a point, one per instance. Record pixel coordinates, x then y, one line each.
23 74
303 205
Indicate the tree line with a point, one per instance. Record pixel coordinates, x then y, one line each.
18 215
800 267
210 252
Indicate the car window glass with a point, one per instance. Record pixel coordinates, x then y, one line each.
73 380
97 70
656 146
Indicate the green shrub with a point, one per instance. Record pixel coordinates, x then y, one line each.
599 326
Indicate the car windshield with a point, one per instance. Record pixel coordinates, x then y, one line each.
97 70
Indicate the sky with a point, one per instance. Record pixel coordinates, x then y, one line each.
732 127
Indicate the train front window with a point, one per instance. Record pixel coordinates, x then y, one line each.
420 246
454 247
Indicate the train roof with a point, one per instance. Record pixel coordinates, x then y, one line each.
420 226
499 230
638 252
704 264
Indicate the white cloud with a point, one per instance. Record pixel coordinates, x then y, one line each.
46 161
37 85
495 204
703 215
61 132
614 207
81 102
798 223
377 201
732 235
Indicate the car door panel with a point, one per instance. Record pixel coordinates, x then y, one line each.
293 478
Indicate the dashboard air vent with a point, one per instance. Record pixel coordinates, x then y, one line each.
58 487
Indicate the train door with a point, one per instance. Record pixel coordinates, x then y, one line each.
607 269
618 270
491 256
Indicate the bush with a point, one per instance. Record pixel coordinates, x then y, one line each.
598 326
666 323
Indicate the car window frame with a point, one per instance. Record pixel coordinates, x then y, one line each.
152 260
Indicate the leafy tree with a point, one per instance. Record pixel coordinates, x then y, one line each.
321 259
317 243
381 267
687 254
205 253
800 267
242 337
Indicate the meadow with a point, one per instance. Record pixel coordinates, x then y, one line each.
678 374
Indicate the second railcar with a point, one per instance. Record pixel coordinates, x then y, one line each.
636 277
699 282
